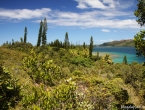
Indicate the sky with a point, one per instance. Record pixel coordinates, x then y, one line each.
104 20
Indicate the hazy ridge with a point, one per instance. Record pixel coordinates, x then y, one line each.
120 43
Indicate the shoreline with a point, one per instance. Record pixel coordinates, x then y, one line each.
112 55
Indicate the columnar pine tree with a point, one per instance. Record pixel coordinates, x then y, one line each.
21 39
125 60
44 38
25 35
84 45
12 41
40 34
66 41
91 47
7 42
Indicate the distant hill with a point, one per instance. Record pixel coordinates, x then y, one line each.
121 43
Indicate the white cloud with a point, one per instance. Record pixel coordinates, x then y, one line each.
105 30
88 19
23 13
82 4
100 4
92 20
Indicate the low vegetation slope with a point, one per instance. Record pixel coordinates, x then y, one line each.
51 78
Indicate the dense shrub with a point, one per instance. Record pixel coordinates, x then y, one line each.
86 62
62 97
42 71
21 46
9 90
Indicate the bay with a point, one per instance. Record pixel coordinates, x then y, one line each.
118 53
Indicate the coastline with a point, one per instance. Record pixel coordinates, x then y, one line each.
112 55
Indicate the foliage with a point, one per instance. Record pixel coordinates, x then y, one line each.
77 73
66 41
84 45
122 96
107 59
9 89
96 57
40 34
25 35
81 61
61 97
140 12
140 43
24 47
58 44
91 47
79 53
44 37
98 85
101 98
125 60
13 42
21 39
41 71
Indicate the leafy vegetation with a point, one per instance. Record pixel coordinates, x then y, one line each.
125 60
140 12
70 79
139 37
9 89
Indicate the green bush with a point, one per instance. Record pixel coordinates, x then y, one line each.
9 90
86 62
77 73
62 97
25 47
42 71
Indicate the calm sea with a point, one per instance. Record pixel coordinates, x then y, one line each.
119 52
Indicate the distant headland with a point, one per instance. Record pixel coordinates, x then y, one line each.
120 43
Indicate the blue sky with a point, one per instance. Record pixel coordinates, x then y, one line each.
105 20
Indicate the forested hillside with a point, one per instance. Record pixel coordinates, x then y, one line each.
121 43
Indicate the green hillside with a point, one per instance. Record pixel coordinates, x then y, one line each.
121 43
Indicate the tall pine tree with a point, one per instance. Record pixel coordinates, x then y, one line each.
66 41
25 35
84 45
125 60
13 42
21 39
91 47
7 42
40 34
44 37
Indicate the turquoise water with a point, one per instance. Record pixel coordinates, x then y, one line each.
118 54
